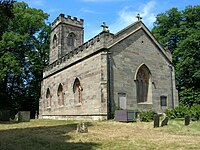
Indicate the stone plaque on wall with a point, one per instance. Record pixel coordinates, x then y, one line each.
122 100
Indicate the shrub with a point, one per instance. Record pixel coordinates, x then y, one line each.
181 111
195 112
178 112
147 116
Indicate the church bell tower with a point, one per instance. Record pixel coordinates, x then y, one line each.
66 34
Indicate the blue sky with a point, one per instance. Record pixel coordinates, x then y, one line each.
116 13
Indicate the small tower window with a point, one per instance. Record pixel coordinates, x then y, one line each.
55 41
71 40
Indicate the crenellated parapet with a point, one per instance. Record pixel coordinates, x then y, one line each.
96 43
67 20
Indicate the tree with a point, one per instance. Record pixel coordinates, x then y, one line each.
180 30
23 54
6 13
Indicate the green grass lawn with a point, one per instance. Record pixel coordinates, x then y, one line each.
108 135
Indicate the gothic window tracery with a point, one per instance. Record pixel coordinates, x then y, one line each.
60 95
142 84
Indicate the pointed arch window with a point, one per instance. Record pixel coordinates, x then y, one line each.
55 41
48 97
77 89
142 84
71 40
60 95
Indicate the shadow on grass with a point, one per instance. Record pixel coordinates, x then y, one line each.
9 122
43 138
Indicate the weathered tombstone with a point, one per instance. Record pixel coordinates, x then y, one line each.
82 128
4 115
187 120
156 119
24 116
164 121
16 117
36 115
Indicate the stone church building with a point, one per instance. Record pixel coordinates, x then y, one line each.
128 70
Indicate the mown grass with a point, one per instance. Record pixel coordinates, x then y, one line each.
108 135
178 127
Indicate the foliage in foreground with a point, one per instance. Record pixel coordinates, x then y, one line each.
181 111
147 116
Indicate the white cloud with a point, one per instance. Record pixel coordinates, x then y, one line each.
128 15
147 13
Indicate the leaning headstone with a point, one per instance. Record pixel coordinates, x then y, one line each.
164 122
156 119
16 117
23 116
82 128
187 120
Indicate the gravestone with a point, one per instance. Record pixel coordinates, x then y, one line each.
4 115
187 120
164 121
16 117
82 128
36 115
156 119
24 116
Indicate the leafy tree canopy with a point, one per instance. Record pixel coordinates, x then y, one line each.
180 30
24 47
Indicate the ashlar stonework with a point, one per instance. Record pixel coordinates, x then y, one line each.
128 70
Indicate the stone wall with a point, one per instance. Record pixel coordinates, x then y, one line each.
128 55
92 73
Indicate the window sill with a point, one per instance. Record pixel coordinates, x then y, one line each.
78 104
145 103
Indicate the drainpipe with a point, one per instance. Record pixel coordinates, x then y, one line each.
110 84
171 80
